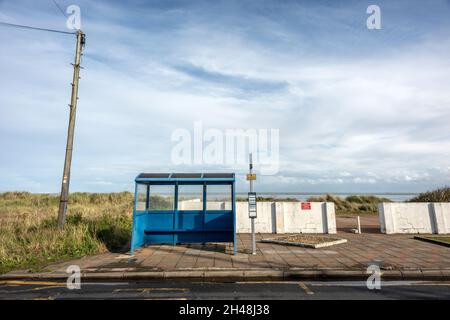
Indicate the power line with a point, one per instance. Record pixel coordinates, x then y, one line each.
33 28
59 8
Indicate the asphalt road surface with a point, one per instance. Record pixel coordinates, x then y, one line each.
287 290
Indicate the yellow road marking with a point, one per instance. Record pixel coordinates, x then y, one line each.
42 285
24 283
32 289
262 281
45 298
305 288
145 290
176 298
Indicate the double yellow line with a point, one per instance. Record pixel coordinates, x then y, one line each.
27 283
42 285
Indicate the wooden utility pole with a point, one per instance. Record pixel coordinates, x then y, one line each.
73 109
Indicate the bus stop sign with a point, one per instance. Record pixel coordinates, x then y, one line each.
252 205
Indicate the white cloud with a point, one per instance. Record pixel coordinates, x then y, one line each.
349 118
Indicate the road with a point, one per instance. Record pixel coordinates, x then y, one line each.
48 290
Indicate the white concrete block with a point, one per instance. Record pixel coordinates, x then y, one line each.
265 221
277 217
441 212
287 217
297 220
330 218
414 217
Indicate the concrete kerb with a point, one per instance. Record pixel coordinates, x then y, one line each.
412 275
434 275
240 275
445 274
391 275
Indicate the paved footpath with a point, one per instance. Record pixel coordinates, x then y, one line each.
399 256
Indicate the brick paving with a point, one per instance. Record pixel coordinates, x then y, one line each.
397 252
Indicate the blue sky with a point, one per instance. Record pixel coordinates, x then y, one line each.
358 110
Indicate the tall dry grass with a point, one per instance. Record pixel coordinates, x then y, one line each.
438 195
352 205
29 236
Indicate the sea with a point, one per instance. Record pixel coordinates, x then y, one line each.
397 197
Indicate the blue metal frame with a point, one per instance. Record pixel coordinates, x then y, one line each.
183 226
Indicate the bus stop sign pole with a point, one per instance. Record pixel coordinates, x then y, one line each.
252 203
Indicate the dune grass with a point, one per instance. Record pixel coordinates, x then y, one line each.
352 205
438 195
29 237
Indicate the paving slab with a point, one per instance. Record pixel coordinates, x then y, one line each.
399 256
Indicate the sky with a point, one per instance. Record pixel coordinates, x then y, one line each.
357 110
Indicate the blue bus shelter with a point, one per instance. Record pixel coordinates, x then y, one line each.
171 208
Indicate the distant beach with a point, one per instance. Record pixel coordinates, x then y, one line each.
304 196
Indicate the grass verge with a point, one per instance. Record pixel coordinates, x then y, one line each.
441 240
29 237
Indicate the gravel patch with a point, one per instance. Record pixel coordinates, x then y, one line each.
306 240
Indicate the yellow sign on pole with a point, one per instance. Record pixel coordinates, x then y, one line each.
251 176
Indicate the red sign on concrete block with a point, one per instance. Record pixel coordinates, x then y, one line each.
306 205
